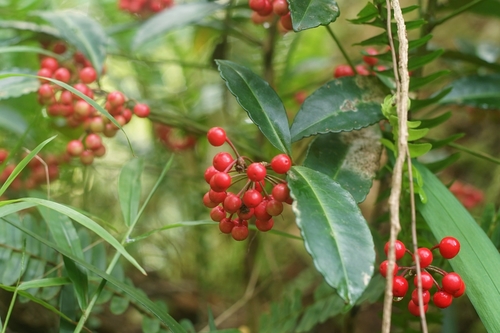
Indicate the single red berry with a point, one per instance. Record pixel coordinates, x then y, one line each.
461 291
362 70
399 286
217 197
426 296
252 198
425 256
343 70
281 163
87 157
257 5
281 192
222 160
286 21
280 7
93 141
442 299
232 203
414 308
274 207
45 91
399 247
383 268
45 72
226 225
66 97
256 172
267 9
75 148
261 213
3 155
245 213
372 61
62 74
209 173
96 124
115 99
451 282
217 214
240 232
82 109
264 225
59 47
87 75
220 182
216 136
207 202
50 63
100 151
449 247
426 279
141 110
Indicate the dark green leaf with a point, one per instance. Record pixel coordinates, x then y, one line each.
260 101
211 320
82 31
417 104
416 62
485 7
80 281
413 44
376 40
478 262
177 17
16 86
334 230
443 142
340 105
129 189
67 301
349 158
119 305
307 14
433 122
479 91
132 292
366 14
470 58
418 82
283 316
443 164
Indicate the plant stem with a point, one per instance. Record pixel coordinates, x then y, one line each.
474 153
346 57
456 12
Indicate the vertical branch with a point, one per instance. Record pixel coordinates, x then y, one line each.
402 83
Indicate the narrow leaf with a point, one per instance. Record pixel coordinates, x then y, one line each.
433 122
340 105
478 262
479 91
417 82
16 86
334 230
307 14
30 26
417 104
129 189
26 49
442 164
43 283
349 158
260 101
416 62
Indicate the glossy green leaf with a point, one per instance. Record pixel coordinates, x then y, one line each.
77 217
16 86
479 91
82 31
129 189
150 325
478 262
366 14
418 82
340 105
380 39
349 158
130 291
260 101
29 26
413 44
307 14
119 305
417 104
176 17
416 62
334 230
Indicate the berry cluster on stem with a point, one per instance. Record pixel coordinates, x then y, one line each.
452 285
144 8
173 138
266 10
366 68
252 201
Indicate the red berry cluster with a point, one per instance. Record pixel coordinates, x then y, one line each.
144 7
452 285
173 138
467 194
264 11
234 210
79 73
362 69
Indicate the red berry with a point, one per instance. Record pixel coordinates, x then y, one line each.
75 148
260 211
256 172
87 75
96 124
3 155
372 61
452 282
383 268
280 7
449 247
141 110
50 63
87 157
209 173
252 198
217 214
232 203
426 279
267 9
222 160
274 207
286 21
343 70
399 247
240 232
281 192
82 109
217 197
257 5
45 72
461 291
281 163
414 308
66 97
59 48
264 225
115 99
93 141
100 151
425 256
216 136
207 202
442 299
399 286
220 182
226 225
62 74
45 91
426 296
245 213
362 70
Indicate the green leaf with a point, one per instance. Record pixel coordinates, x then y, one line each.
417 82
43 283
349 158
416 62
415 134
340 105
211 320
16 86
80 281
82 31
413 44
418 149
479 91
334 230
74 215
150 325
478 262
376 40
67 301
488 217
132 292
417 104
176 17
129 189
119 305
443 142
283 316
307 14
21 165
433 122
13 122
260 101
30 26
443 164
26 49
366 14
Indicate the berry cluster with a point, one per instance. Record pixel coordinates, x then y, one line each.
76 112
234 210
467 194
173 138
362 69
144 8
264 11
452 285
